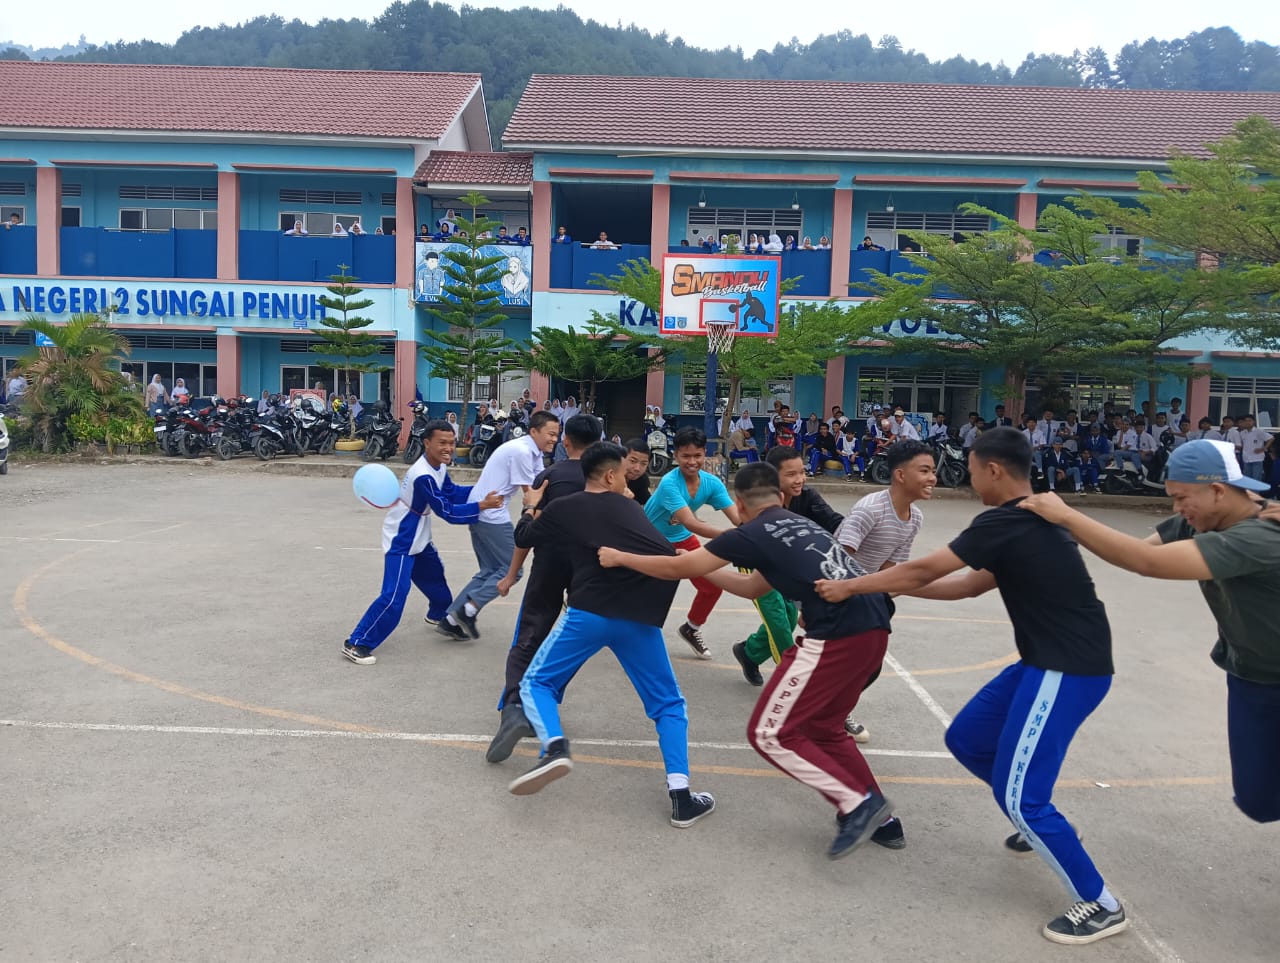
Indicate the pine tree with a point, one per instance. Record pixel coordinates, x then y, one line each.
342 334
469 347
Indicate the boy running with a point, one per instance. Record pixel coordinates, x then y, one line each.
1014 734
511 468
408 555
797 722
614 608
1218 539
544 593
671 508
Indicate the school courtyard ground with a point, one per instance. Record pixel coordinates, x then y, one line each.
192 771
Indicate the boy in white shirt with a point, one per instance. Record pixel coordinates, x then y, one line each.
1254 442
1034 433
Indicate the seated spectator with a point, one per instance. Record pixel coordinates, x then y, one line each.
824 243
562 236
522 237
1098 443
1090 467
354 404
902 428
355 228
602 243
297 230
849 451
807 244
969 433
1181 431
811 427
773 245
790 244
1127 450
869 245
339 230
939 430
1060 466
742 443
1069 438
837 421
180 394
264 403
822 448
1035 434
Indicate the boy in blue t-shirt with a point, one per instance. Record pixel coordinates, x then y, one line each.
671 508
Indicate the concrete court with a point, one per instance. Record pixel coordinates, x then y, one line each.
192 772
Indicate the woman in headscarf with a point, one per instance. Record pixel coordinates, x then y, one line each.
773 245
180 393
155 396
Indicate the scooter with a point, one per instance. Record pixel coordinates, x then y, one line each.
381 434
4 447
661 442
950 463
413 448
484 441
1125 481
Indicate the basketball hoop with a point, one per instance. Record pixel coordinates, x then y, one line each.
720 336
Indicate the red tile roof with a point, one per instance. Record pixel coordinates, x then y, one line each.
500 168
365 103
738 115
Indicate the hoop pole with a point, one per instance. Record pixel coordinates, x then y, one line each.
709 407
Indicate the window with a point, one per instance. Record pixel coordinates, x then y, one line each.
1115 241
201 380
71 217
953 391
1238 396
7 211
388 225
885 227
1088 392
756 396
743 221
308 376
164 219
317 222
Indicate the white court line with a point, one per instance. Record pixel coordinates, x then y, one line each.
921 692
442 737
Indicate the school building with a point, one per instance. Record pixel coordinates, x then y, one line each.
164 195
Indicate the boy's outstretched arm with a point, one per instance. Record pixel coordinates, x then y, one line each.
671 567
904 579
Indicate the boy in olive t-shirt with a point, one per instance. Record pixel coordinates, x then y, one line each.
1218 539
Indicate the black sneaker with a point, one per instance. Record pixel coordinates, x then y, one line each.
449 630
513 727
359 654
468 623
856 827
694 638
857 730
688 807
1018 845
750 671
1086 922
890 835
554 763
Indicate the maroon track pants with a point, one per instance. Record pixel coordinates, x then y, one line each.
708 595
798 722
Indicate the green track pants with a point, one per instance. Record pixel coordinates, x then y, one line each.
777 634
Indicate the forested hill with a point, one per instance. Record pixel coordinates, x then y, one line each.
508 46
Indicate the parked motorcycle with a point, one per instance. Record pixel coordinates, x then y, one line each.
196 427
4 447
166 430
661 442
414 447
1126 481
950 465
381 434
236 433
279 433
485 440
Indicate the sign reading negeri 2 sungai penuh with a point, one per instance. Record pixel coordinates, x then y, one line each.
742 290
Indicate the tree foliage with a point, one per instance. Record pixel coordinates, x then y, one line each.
345 342
469 348
77 374
604 351
507 46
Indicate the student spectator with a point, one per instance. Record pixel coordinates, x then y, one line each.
180 394
1036 437
1161 426
902 428
502 236
522 237
969 433
339 230
939 430
602 243
1090 466
424 232
824 447
1000 420
837 421
754 246
1134 446
790 244
869 245
773 245
709 244
355 228
1228 432
807 244
784 429
1180 431
1073 423
1176 414
562 236
1060 466
811 427
1098 445
742 442
297 230
155 397
447 225
824 243
1070 441
1049 425
264 403
14 220
848 451
1254 442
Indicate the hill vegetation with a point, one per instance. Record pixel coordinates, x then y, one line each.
508 46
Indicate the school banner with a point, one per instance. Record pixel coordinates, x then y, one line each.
514 288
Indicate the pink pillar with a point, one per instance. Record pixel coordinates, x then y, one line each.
539 387
405 383
542 230
660 223
841 241
1197 405
655 384
1025 210
228 226
228 357
405 230
834 389
48 221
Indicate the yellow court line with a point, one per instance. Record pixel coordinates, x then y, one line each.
22 595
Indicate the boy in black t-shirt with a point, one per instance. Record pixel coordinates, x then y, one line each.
1014 734
544 593
798 722
612 608
636 466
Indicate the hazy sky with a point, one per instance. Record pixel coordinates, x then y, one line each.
984 30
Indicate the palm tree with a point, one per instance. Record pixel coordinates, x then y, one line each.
75 371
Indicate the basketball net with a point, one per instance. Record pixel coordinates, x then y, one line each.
720 336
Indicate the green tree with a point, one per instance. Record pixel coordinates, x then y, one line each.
603 351
77 373
469 347
345 342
